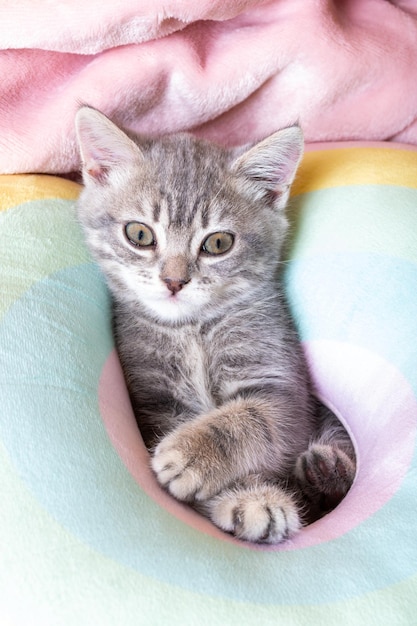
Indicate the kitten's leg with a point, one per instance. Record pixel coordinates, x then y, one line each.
254 510
326 470
202 457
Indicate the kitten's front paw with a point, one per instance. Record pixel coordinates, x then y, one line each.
263 513
327 471
185 463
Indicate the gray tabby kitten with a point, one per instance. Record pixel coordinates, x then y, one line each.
189 236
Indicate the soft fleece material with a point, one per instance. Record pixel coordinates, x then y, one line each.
229 70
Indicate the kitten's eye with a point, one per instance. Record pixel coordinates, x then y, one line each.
218 243
139 234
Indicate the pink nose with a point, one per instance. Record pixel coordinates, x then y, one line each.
174 284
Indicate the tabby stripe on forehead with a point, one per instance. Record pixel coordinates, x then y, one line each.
167 199
156 212
200 205
193 212
182 199
205 198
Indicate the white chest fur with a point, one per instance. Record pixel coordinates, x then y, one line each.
196 370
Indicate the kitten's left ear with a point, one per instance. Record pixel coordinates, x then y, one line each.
267 170
103 146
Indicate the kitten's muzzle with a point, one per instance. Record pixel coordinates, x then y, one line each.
175 273
174 284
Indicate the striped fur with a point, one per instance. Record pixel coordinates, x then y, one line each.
215 372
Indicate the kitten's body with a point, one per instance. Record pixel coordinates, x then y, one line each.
213 365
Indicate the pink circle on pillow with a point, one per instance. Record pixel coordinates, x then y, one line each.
122 429
371 397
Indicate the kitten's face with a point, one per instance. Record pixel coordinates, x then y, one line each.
179 225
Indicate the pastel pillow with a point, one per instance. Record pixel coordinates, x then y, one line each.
89 535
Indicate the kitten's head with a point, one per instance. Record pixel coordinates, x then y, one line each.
180 226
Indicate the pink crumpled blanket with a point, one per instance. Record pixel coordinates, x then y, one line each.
229 70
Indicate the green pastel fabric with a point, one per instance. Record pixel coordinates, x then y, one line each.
87 535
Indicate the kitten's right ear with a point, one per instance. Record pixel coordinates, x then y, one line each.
266 171
103 146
